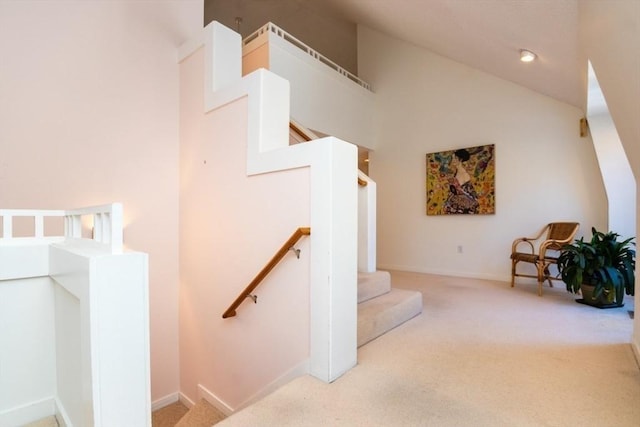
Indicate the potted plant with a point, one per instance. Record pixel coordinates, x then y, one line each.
603 269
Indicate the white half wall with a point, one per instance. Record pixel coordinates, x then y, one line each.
426 103
321 98
27 350
102 335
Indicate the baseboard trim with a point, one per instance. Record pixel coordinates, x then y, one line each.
61 414
165 401
295 372
410 269
29 412
214 400
184 399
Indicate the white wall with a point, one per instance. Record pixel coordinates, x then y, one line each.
27 349
89 115
619 182
426 103
70 372
610 35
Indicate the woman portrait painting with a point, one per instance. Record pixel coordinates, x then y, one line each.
461 181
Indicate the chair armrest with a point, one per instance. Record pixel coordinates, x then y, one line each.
514 245
528 240
553 244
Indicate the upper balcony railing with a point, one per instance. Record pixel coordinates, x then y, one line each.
106 227
272 28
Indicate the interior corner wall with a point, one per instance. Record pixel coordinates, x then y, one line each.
89 115
610 36
427 103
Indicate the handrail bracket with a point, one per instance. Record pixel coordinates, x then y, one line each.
295 251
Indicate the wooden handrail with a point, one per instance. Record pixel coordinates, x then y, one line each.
300 131
302 231
305 135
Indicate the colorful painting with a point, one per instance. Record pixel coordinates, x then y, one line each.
461 181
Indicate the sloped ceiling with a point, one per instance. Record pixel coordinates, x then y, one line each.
487 35
484 34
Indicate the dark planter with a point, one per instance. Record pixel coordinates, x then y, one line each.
600 302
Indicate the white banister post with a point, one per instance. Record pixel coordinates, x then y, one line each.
107 228
115 228
39 225
67 226
98 227
75 226
367 262
7 226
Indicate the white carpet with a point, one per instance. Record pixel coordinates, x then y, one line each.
481 354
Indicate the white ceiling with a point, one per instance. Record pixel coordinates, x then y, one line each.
487 35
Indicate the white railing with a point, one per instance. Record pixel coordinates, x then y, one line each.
88 316
272 28
106 226
7 216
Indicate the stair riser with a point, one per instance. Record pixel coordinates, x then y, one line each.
372 285
376 320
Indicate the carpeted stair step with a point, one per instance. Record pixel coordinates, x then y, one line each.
202 414
371 285
383 313
49 421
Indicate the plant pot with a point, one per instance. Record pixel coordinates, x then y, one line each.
600 302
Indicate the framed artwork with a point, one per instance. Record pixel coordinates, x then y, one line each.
461 181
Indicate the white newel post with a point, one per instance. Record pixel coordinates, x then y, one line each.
367 226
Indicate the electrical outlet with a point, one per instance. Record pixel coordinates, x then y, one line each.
459 249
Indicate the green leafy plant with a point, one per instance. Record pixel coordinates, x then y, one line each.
604 262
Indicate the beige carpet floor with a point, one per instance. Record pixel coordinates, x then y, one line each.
169 415
480 354
50 421
202 414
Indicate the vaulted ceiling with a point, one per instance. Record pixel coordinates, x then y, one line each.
484 34
487 35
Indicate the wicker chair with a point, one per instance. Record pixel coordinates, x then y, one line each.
551 239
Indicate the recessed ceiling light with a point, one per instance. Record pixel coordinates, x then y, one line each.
527 55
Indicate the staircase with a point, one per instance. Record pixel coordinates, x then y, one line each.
381 307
